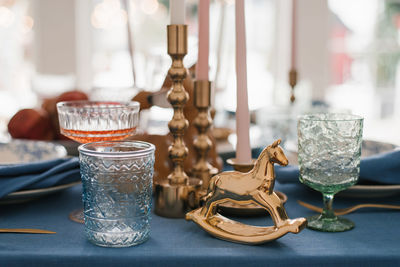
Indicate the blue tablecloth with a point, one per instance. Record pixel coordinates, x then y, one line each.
175 242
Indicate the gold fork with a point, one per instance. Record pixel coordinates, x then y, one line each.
349 209
25 231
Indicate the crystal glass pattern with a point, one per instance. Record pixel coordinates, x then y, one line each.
329 151
90 121
117 186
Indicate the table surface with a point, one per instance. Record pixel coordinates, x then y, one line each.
374 241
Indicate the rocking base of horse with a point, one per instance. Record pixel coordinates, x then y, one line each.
250 209
233 231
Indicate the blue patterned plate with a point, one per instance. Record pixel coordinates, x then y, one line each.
25 151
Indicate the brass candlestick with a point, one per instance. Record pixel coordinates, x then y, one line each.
176 195
202 101
292 83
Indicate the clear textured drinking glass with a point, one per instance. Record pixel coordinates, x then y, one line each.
117 181
329 151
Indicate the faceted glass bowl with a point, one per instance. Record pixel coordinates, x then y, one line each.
91 121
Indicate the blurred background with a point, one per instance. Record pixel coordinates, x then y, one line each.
348 55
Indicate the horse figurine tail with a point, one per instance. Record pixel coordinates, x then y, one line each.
210 189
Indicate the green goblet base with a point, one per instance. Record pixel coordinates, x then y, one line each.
336 224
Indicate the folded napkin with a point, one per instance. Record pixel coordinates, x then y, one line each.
381 168
38 175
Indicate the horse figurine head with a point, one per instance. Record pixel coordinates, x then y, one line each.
264 165
276 154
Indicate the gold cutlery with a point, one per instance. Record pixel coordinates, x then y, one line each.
25 231
350 209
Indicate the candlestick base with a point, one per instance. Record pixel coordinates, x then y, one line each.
205 174
174 201
241 167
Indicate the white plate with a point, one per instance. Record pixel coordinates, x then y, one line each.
26 151
70 146
27 195
370 191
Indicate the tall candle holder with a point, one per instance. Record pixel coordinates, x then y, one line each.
176 195
292 83
202 101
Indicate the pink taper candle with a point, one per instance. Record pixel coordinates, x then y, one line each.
293 43
243 151
204 32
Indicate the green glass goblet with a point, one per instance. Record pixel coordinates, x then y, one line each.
329 151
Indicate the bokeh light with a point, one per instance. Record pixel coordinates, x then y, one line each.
132 6
27 24
149 7
6 17
108 14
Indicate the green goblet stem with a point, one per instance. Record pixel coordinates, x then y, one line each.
328 221
327 212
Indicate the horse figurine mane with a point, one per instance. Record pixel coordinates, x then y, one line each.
255 186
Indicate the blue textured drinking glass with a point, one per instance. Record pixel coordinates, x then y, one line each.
117 179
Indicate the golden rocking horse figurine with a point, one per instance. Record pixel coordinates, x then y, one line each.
256 187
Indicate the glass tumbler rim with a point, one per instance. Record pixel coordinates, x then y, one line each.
145 148
108 105
330 117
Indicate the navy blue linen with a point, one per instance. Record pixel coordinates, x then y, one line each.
175 242
29 168
38 175
381 168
